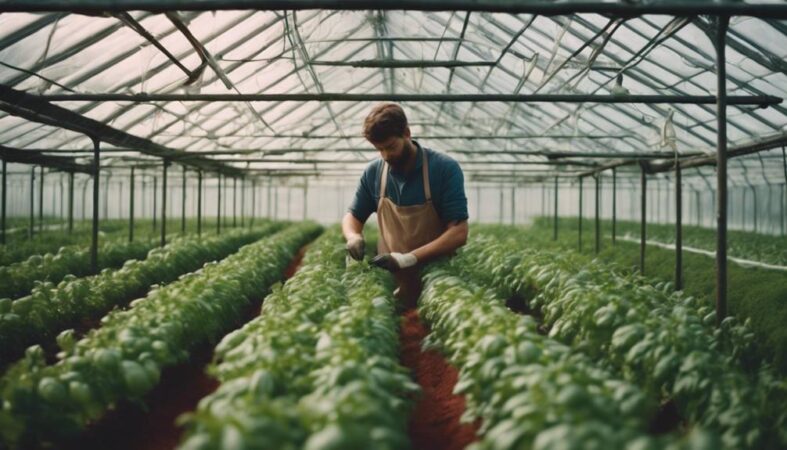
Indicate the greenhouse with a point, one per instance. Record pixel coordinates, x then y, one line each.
434 224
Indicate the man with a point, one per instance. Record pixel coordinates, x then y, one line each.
418 195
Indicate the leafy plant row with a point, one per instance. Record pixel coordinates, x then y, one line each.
529 390
662 341
19 278
318 369
123 359
50 308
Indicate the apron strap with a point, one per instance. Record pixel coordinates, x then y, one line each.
425 169
383 180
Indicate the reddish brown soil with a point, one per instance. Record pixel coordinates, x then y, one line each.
434 423
130 427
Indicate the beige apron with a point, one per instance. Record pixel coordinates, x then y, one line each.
406 228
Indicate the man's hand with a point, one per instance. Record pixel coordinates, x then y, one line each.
356 247
395 261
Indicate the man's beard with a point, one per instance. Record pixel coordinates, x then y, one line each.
400 162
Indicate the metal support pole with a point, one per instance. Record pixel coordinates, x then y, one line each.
96 179
614 204
554 220
70 202
218 207
305 198
41 201
84 201
697 205
269 199
500 221
754 200
234 202
580 214
155 200
4 201
164 204
721 169
678 229
643 181
598 213
253 201
199 202
242 201
131 208
32 202
183 204
513 205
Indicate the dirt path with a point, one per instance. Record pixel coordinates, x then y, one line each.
434 423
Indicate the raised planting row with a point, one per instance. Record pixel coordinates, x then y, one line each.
664 342
19 248
530 391
122 360
49 309
318 369
19 278
765 248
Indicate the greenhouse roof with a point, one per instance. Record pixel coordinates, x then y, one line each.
509 88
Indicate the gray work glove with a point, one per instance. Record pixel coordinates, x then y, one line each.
395 261
356 247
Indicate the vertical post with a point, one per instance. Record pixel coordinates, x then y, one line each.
580 214
41 200
721 169
84 201
163 241
183 203
5 200
131 207
242 201
305 197
155 200
276 202
70 202
543 200
96 179
289 203
120 198
62 198
643 181
253 201
614 204
554 220
754 200
199 202
234 201
32 202
218 207
678 228
500 221
698 206
513 205
598 213
268 206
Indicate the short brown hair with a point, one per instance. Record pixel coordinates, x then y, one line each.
384 121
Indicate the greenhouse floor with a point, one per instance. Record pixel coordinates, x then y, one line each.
434 423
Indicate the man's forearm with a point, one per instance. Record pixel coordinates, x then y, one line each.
351 227
451 239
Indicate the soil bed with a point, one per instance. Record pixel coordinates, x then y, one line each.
434 422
